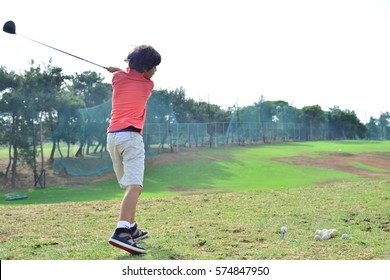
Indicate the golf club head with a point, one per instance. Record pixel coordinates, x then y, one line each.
9 27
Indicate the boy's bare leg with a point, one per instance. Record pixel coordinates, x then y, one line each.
129 203
124 238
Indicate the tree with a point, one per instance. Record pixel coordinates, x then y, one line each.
31 108
13 107
372 129
187 110
379 128
313 117
9 82
159 108
9 85
384 125
91 87
44 88
69 125
344 124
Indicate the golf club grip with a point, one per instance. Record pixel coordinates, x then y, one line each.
64 52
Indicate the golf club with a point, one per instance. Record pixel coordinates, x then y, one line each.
9 27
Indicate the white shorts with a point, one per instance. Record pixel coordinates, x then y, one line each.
127 153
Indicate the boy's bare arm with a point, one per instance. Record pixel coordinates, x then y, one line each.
113 69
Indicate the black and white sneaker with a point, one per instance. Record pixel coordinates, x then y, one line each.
138 234
123 239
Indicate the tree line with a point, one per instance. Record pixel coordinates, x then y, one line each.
42 105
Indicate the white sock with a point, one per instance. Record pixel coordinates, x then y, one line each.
124 224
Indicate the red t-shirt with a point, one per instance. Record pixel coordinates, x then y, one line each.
131 91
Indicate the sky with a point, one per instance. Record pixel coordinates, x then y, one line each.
226 52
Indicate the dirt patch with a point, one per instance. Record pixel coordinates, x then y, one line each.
342 162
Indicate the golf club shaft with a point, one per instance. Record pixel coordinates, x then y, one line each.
62 51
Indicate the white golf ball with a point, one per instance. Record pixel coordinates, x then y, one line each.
284 229
317 237
326 236
322 231
318 232
345 236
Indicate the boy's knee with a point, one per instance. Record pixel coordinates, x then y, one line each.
134 189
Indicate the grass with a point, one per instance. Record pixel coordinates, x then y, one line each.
222 226
225 203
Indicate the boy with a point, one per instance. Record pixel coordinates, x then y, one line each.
131 91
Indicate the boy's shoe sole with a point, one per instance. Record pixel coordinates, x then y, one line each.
121 243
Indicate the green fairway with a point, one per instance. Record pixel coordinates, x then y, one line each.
239 169
232 169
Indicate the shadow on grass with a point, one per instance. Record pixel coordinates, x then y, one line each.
151 255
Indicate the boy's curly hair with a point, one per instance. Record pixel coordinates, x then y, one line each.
143 58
